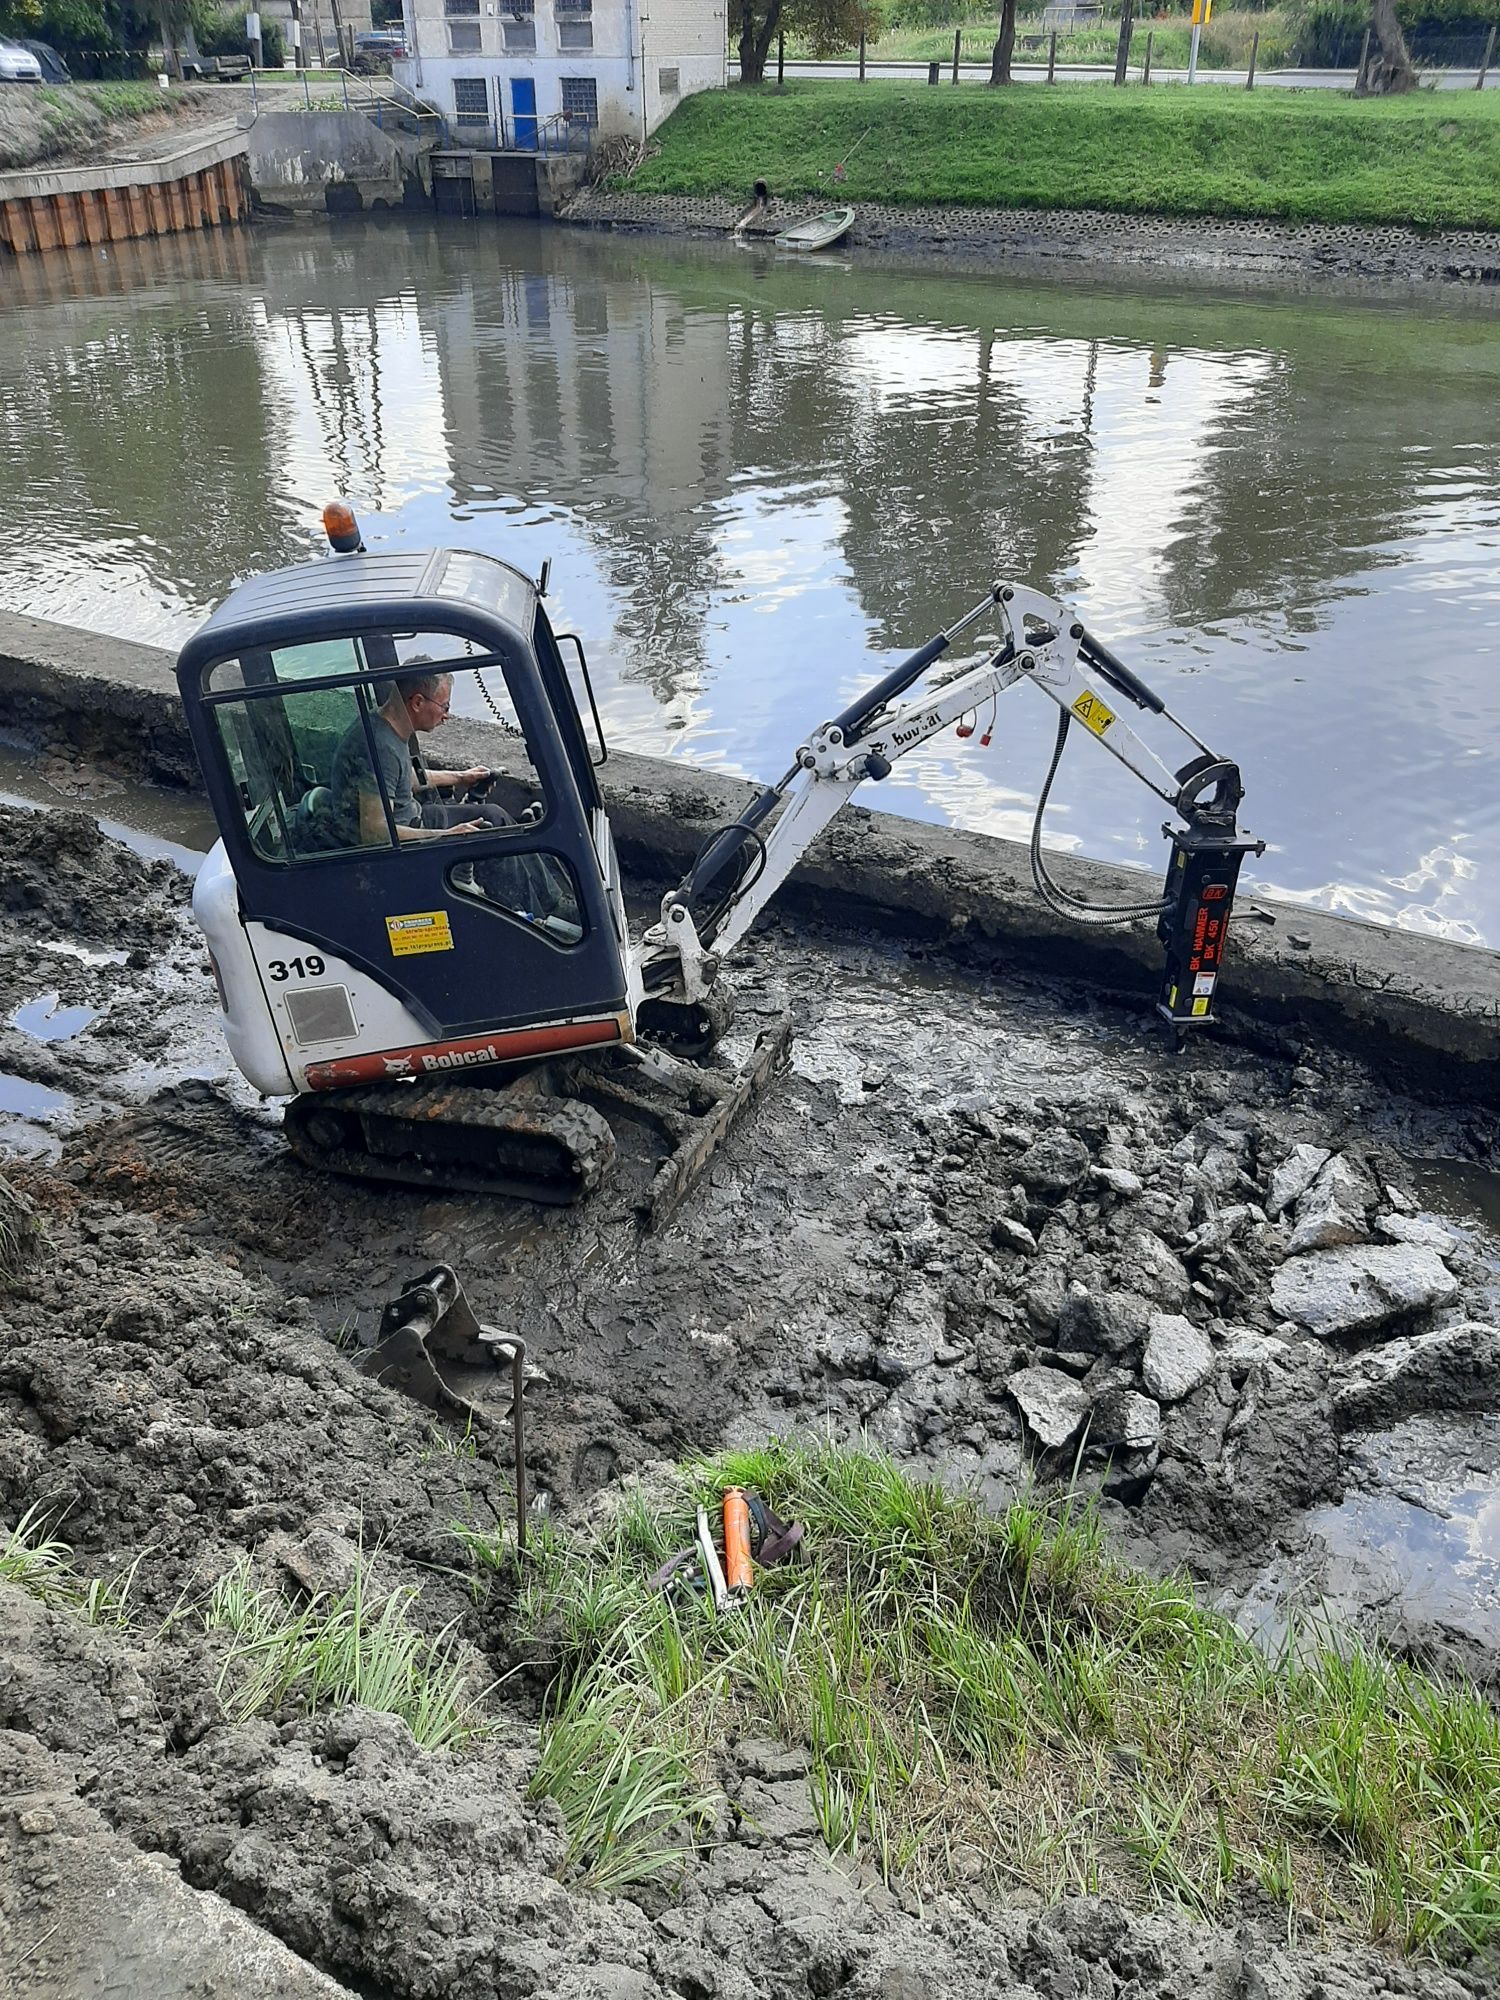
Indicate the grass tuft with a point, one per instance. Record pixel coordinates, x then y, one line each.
996 1696
357 1648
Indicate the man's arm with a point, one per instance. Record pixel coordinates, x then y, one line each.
441 778
373 830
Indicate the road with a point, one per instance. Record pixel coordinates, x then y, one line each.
1029 72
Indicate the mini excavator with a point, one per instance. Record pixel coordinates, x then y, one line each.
469 1009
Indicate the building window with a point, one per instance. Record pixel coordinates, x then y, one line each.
580 100
471 100
464 38
520 35
452 7
575 24
669 81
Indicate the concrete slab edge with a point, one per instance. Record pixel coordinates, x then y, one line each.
34 183
1426 1009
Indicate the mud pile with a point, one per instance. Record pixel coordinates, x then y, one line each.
67 879
1002 1232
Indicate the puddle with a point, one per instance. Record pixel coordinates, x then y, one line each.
154 824
21 1099
45 1021
1460 1190
1416 1541
86 954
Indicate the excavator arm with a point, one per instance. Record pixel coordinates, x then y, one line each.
741 868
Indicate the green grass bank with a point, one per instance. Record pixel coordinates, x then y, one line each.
995 1700
1426 160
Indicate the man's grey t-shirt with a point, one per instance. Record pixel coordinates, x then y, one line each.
351 777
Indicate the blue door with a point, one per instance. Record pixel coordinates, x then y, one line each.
523 112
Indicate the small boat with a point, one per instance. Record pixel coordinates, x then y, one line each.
818 231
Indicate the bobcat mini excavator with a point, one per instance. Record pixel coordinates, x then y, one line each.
467 1009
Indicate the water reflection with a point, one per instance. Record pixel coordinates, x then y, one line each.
760 480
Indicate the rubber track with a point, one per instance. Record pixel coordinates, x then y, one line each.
518 1141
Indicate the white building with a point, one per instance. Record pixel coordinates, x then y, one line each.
517 73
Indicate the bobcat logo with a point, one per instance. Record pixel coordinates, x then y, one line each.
398 1065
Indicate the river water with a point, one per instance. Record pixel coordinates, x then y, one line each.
761 481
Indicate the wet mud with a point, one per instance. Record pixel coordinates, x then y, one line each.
997 1225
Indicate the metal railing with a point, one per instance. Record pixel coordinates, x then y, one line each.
391 104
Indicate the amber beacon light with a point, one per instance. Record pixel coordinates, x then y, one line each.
341 528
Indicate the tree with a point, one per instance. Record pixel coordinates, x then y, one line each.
1391 71
827 26
1005 41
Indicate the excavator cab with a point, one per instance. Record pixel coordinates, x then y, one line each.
347 951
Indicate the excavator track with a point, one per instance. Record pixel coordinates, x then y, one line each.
518 1138
548 1135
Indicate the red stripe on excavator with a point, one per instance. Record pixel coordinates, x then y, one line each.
476 1052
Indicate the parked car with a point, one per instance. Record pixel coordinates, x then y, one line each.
18 65
53 68
378 48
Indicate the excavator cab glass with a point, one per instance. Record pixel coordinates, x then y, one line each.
370 852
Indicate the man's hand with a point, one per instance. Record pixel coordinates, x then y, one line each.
478 776
470 826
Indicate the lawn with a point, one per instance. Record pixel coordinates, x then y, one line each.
1424 160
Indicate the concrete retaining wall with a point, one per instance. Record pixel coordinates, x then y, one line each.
55 208
328 160
1427 1009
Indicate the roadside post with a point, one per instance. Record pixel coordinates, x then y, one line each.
934 72
1122 47
1489 50
1052 57
780 60
1364 57
298 60
861 58
958 39
252 36
1202 11
1146 66
1254 51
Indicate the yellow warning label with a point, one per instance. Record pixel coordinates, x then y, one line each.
1200 1006
1092 713
1172 997
426 930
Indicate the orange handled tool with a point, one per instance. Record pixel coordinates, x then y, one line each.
737 1571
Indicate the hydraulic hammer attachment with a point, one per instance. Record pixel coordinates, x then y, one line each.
1198 893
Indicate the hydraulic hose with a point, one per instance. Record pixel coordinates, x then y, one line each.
1059 900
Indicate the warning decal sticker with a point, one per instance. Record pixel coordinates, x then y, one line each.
426 930
1092 713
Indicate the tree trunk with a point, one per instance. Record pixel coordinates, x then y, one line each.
169 52
1005 42
1391 71
755 43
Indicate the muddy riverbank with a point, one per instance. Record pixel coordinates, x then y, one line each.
987 1219
1083 243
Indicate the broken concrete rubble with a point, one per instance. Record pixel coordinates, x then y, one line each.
1053 1404
1178 1358
1359 1289
1451 1368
